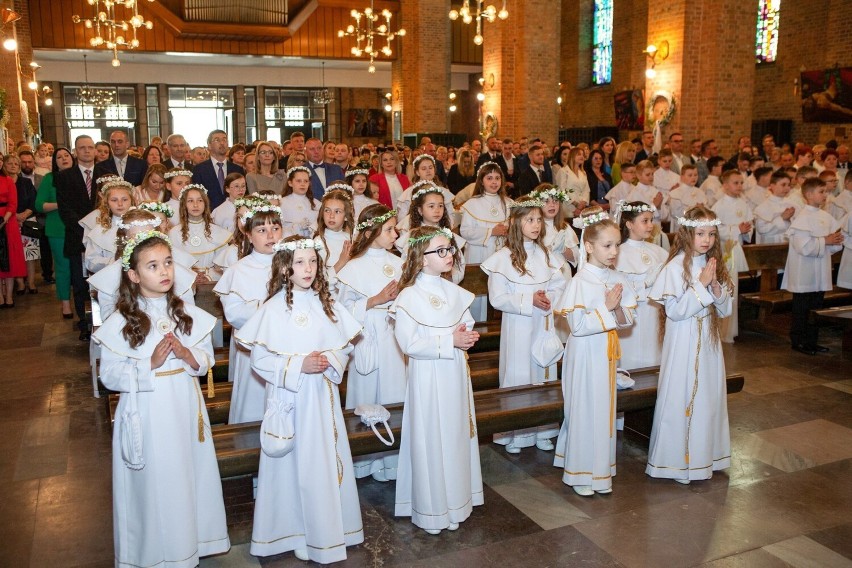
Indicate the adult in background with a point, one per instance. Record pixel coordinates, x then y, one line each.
493 150
297 144
322 173
680 159
26 220
28 170
54 229
387 185
76 194
129 168
212 173
539 171
462 173
268 176
152 155
237 155
178 153
647 148
509 164
12 263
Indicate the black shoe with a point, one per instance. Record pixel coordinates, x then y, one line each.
49 281
32 290
806 349
85 335
67 316
820 348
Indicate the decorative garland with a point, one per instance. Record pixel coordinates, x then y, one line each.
302 244
441 232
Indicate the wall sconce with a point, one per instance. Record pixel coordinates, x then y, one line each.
453 106
654 53
388 106
7 17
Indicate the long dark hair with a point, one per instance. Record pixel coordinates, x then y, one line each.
365 237
282 272
54 167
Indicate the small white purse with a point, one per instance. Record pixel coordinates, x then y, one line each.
372 414
278 429
546 348
130 433
623 380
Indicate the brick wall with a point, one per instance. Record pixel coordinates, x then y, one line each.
9 73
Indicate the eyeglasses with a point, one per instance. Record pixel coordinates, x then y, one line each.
442 252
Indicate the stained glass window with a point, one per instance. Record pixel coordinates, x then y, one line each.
766 44
602 42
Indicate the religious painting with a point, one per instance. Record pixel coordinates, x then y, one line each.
827 95
367 122
630 110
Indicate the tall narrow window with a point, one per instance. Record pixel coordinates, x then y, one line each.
602 42
766 44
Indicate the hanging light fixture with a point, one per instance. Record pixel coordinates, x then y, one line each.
369 33
110 31
323 96
89 96
488 13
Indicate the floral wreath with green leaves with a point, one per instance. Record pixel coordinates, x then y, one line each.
553 192
136 241
156 207
526 203
380 220
254 209
439 232
301 244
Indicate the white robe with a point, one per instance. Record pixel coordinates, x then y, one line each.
201 247
840 205
175 205
298 217
440 479
100 246
377 375
334 241
681 200
403 202
844 274
308 498
479 217
585 449
640 262
619 193
170 512
457 275
226 257
712 188
361 202
808 267
756 195
732 211
665 180
769 226
512 294
225 215
90 221
690 438
242 290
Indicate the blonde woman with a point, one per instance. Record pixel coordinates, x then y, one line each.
267 176
624 153
463 173
572 179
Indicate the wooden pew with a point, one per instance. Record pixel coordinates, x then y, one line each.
498 410
769 259
838 316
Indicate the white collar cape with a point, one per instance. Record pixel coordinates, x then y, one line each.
248 278
108 278
640 257
538 271
433 302
365 274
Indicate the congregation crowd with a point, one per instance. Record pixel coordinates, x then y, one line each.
336 261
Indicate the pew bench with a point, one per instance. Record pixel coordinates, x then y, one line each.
841 317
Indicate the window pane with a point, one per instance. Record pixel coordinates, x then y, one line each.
602 42
177 97
272 98
151 96
766 43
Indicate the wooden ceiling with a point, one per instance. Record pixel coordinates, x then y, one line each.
230 27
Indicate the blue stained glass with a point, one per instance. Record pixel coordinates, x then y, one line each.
766 38
602 42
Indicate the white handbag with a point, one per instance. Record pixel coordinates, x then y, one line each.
130 433
372 414
546 348
623 380
278 429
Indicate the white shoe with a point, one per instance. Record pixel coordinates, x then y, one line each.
512 449
301 554
604 491
453 527
380 476
683 481
544 445
433 531
584 490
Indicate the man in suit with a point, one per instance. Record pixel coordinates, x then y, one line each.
538 172
647 147
322 174
178 153
492 154
28 171
212 173
297 144
676 145
709 149
122 164
76 194
509 164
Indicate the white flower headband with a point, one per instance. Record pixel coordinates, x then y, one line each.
176 173
442 231
249 201
301 244
358 172
380 220
643 208
423 187
422 157
195 186
698 222
109 178
259 209
140 223
584 222
342 186
116 183
295 169
135 241
553 193
528 203
155 207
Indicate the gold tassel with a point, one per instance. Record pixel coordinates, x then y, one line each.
211 390
613 353
200 427
687 459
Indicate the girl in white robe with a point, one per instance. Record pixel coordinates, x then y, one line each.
645 192
424 170
300 338
367 286
362 196
429 210
640 262
335 224
299 209
239 245
484 223
559 237
524 279
197 234
242 289
690 438
597 302
168 508
116 199
225 214
176 180
440 479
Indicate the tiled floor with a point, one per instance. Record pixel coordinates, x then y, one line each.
786 500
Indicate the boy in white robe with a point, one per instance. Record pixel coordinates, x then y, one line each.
685 195
772 217
622 189
645 192
665 179
841 205
759 191
712 186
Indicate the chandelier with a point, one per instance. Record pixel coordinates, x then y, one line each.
322 96
91 96
489 13
111 31
370 34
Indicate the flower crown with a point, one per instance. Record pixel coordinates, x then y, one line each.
441 231
489 163
698 222
342 186
118 182
553 193
259 209
139 223
532 202
358 172
301 244
176 173
109 178
156 207
195 186
644 208
423 187
295 169
136 241
249 201
380 220
585 222
422 157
